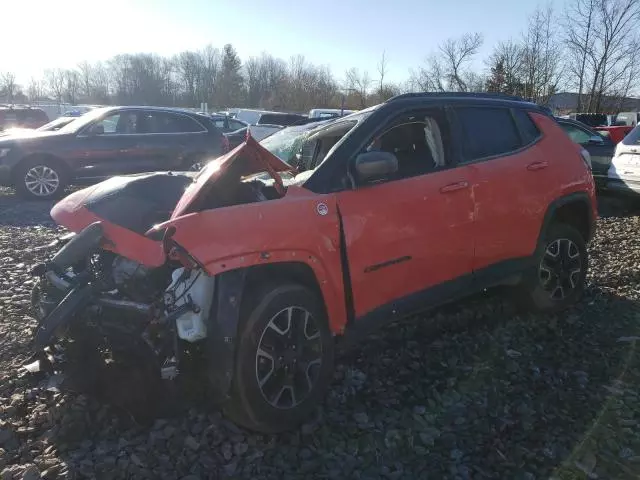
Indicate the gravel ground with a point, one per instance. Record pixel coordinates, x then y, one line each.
476 390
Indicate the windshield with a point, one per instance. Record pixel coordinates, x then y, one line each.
285 143
84 120
57 124
633 137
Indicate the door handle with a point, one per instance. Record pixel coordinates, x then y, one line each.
453 187
537 166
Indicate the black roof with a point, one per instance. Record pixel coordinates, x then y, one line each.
469 97
156 109
502 96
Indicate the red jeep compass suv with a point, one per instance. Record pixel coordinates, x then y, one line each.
392 210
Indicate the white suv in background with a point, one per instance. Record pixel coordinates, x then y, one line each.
624 172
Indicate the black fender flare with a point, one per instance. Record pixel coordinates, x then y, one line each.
222 330
554 206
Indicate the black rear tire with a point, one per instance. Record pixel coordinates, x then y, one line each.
299 376
52 174
557 279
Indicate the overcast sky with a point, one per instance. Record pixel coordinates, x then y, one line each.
41 34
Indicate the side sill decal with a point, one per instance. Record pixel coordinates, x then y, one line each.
388 263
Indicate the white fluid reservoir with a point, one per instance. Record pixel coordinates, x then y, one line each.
191 325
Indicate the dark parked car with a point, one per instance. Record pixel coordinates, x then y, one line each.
590 119
21 117
283 119
236 138
600 147
105 142
226 124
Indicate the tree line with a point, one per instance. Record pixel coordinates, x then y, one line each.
591 48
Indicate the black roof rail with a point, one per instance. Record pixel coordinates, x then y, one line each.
502 96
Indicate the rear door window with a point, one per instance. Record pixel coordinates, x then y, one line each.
235 125
487 132
164 122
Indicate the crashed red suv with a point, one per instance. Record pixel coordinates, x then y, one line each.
259 271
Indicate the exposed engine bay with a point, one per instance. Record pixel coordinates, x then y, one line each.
122 305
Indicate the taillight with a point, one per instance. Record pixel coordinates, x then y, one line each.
586 156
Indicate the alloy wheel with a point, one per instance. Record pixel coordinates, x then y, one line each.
42 180
289 357
560 269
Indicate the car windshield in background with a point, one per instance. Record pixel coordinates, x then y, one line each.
57 124
84 120
633 137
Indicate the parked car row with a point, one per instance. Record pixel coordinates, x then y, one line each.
125 140
105 142
13 116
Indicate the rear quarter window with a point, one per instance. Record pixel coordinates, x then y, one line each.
633 137
487 132
528 129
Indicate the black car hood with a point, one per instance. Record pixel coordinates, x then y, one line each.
25 137
138 202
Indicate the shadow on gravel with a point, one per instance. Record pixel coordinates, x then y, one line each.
17 212
610 205
476 390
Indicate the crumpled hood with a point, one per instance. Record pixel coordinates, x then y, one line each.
130 206
259 160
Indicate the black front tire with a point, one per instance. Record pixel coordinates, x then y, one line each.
540 290
251 404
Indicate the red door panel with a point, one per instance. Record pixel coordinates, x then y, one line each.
512 194
407 235
510 203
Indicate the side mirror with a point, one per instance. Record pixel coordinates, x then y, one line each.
376 165
596 140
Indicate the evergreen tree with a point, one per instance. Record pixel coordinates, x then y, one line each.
497 81
231 86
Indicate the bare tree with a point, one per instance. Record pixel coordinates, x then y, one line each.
8 85
35 90
580 33
447 69
382 71
359 83
55 82
541 57
71 86
456 53
616 38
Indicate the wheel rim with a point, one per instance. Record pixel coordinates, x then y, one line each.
41 180
289 358
560 268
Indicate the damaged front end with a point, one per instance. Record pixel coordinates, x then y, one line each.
91 295
129 291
